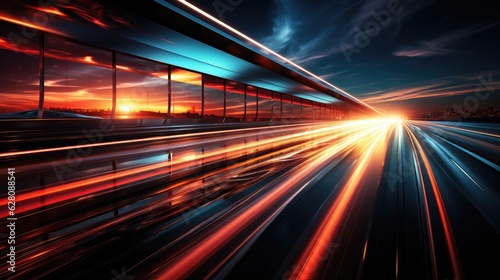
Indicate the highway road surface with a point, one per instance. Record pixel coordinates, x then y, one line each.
372 199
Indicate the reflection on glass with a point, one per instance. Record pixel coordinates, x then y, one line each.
19 79
78 82
317 108
276 112
214 97
265 104
141 88
329 111
296 108
336 112
78 79
308 110
323 111
251 103
186 93
286 107
235 101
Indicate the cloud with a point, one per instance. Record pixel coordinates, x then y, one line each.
333 74
283 27
426 49
439 45
443 87
307 33
282 33
362 15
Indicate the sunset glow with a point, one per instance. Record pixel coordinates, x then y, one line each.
125 108
319 139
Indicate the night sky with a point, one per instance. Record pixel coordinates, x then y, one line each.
420 56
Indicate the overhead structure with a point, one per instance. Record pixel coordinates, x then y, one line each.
275 73
176 45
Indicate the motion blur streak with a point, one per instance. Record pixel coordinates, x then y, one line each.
450 240
24 22
371 199
331 224
198 254
114 143
60 192
426 203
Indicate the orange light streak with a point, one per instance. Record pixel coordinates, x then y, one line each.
184 264
426 206
31 200
27 24
123 67
329 228
450 240
170 137
66 191
59 193
51 10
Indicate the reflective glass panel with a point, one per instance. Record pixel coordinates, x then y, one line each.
214 97
235 101
141 88
78 78
19 78
186 93
251 101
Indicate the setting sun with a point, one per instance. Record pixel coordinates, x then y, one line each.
125 108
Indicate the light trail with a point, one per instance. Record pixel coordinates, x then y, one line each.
212 223
114 143
328 230
450 239
198 253
421 185
466 174
101 182
460 129
24 22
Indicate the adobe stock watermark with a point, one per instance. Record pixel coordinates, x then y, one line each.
381 20
217 184
329 249
394 177
39 19
483 92
470 103
222 6
191 209
121 276
96 135
84 148
212 190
